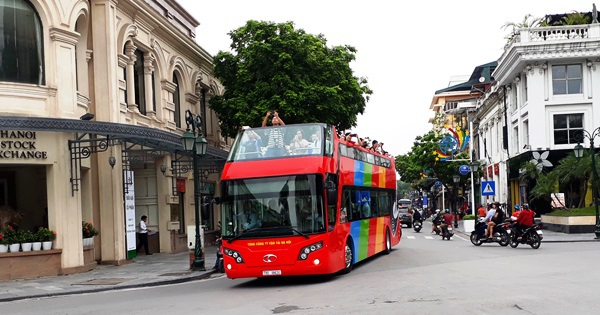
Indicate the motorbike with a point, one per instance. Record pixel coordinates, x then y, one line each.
417 225
447 231
532 236
501 234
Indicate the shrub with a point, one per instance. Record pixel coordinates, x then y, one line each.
469 217
88 229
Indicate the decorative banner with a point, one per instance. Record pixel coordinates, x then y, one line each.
453 143
130 216
497 169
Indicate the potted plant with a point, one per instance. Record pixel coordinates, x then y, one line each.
88 231
12 239
3 241
46 236
469 223
27 239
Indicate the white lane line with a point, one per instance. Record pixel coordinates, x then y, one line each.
410 237
429 237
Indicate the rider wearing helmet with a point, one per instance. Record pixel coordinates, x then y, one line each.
435 221
515 214
524 220
447 217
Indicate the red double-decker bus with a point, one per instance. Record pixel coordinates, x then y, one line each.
298 200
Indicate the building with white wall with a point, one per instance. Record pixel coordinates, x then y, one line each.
546 81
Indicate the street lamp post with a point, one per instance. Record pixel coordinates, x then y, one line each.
194 143
456 179
579 153
474 165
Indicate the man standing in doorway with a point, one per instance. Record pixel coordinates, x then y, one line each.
143 236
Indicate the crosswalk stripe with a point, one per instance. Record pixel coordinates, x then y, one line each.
410 237
429 237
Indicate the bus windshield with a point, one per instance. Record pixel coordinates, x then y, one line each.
280 141
273 206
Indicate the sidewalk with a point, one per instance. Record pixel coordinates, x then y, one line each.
154 270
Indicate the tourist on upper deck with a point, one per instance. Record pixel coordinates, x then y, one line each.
275 146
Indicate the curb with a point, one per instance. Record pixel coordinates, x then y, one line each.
111 288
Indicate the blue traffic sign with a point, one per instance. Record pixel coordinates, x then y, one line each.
438 184
464 169
488 188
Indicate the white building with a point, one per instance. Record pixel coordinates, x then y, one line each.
547 82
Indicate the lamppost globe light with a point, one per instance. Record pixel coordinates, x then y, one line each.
201 145
187 140
474 166
578 150
456 178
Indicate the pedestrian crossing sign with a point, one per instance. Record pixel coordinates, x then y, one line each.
488 188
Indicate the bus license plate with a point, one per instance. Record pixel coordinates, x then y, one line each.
271 272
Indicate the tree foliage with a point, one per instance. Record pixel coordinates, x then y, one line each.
277 67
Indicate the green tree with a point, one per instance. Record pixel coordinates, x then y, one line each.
277 67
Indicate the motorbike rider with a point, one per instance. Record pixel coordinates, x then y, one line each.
524 220
488 218
447 219
435 221
416 215
515 214
498 218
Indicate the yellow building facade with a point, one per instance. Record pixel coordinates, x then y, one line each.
93 97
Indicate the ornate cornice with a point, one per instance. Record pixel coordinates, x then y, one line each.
191 98
168 86
62 35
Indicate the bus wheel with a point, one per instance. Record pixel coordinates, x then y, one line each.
348 260
388 243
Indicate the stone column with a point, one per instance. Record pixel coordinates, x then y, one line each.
149 89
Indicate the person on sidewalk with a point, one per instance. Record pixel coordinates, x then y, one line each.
143 236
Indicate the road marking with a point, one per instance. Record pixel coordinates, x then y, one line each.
429 237
410 237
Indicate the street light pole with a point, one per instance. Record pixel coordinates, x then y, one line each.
194 142
579 153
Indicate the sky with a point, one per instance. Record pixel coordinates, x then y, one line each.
407 50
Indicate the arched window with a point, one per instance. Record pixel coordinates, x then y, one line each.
177 102
21 43
138 79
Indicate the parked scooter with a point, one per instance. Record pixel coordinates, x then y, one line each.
532 236
501 234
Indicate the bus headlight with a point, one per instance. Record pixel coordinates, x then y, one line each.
304 252
234 254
